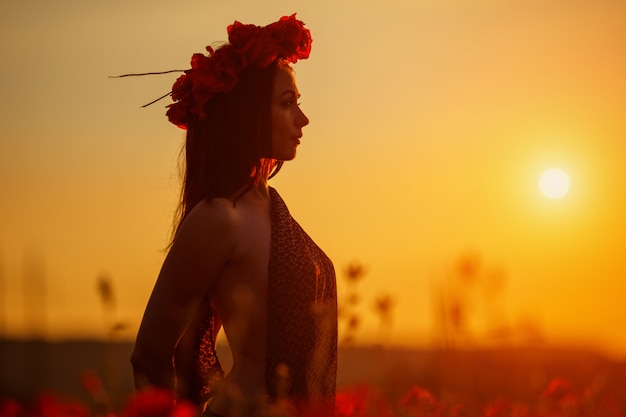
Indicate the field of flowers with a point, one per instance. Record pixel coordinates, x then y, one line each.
93 379
374 382
559 399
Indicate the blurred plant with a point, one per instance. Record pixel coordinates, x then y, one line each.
347 314
383 306
35 293
3 302
349 317
104 286
452 300
113 325
467 301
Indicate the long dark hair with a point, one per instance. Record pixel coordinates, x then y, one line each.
230 149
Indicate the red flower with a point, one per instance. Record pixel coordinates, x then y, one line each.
250 45
155 402
292 37
242 36
344 405
247 40
499 408
48 405
227 65
558 389
361 401
177 114
418 397
10 408
91 382
181 88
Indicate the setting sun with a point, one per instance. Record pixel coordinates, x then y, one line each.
554 183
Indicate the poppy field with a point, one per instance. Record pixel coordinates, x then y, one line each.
94 380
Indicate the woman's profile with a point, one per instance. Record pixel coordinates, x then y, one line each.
238 261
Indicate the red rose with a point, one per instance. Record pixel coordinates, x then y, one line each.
204 88
210 75
200 62
293 38
242 37
244 40
249 45
254 44
177 114
227 66
181 88
266 51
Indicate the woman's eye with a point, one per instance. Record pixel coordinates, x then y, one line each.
289 103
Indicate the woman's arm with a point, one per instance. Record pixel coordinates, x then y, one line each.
200 249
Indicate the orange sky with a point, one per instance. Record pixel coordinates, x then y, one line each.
430 125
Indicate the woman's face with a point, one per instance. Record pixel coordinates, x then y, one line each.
287 118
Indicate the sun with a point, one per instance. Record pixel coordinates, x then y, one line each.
554 183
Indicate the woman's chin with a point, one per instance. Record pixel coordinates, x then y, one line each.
286 157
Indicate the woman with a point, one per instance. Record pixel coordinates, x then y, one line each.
238 259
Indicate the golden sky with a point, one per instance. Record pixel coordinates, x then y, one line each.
431 122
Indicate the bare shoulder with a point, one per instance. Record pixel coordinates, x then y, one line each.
217 230
204 243
209 221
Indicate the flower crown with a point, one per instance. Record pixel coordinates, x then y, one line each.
217 72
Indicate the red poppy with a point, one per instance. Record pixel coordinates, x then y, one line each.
155 402
418 397
558 389
91 382
50 405
10 408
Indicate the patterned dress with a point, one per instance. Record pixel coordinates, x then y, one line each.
301 354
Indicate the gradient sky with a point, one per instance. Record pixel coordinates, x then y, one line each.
431 122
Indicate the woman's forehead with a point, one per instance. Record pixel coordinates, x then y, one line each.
285 81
